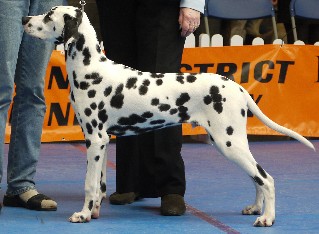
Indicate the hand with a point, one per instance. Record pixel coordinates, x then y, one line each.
189 20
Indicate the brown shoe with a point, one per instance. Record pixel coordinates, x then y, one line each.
123 198
173 205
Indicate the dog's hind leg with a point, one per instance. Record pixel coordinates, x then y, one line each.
235 147
256 208
95 158
101 189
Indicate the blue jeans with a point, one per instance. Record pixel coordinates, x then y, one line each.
23 61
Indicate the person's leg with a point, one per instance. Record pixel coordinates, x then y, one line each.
117 20
160 50
11 31
28 114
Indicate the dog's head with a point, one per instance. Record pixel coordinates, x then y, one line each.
58 25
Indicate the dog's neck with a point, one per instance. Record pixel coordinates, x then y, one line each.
90 38
83 53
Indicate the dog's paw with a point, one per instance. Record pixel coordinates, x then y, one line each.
80 217
264 221
251 210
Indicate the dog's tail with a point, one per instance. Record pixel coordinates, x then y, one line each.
261 116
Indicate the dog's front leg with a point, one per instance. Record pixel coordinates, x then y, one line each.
101 188
95 158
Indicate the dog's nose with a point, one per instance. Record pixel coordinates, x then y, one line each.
25 20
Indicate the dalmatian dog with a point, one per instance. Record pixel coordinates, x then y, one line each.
111 98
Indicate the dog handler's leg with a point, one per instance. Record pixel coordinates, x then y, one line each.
95 157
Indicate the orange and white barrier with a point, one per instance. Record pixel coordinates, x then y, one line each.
282 79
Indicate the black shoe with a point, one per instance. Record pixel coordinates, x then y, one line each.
123 198
173 205
34 203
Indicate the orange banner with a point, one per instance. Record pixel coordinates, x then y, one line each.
283 81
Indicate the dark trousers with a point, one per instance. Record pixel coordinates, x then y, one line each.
144 34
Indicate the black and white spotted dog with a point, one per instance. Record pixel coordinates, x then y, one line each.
111 98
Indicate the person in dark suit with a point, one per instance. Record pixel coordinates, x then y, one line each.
149 36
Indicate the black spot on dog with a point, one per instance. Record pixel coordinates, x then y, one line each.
101 105
191 78
84 85
103 59
261 171
243 112
93 106
131 82
87 56
143 90
118 97
80 42
74 55
89 128
90 205
75 82
107 91
91 93
146 82
173 111
218 107
100 126
94 123
208 122
147 114
131 120
139 73
87 143
87 111
157 75
159 121
211 138
258 180
229 130
102 116
208 100
103 187
72 96
241 90
97 80
47 17
100 135
155 102
183 114
182 99
217 99
164 107
180 79
98 48
228 144
97 158
159 82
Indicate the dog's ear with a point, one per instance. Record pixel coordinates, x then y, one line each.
70 28
71 25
